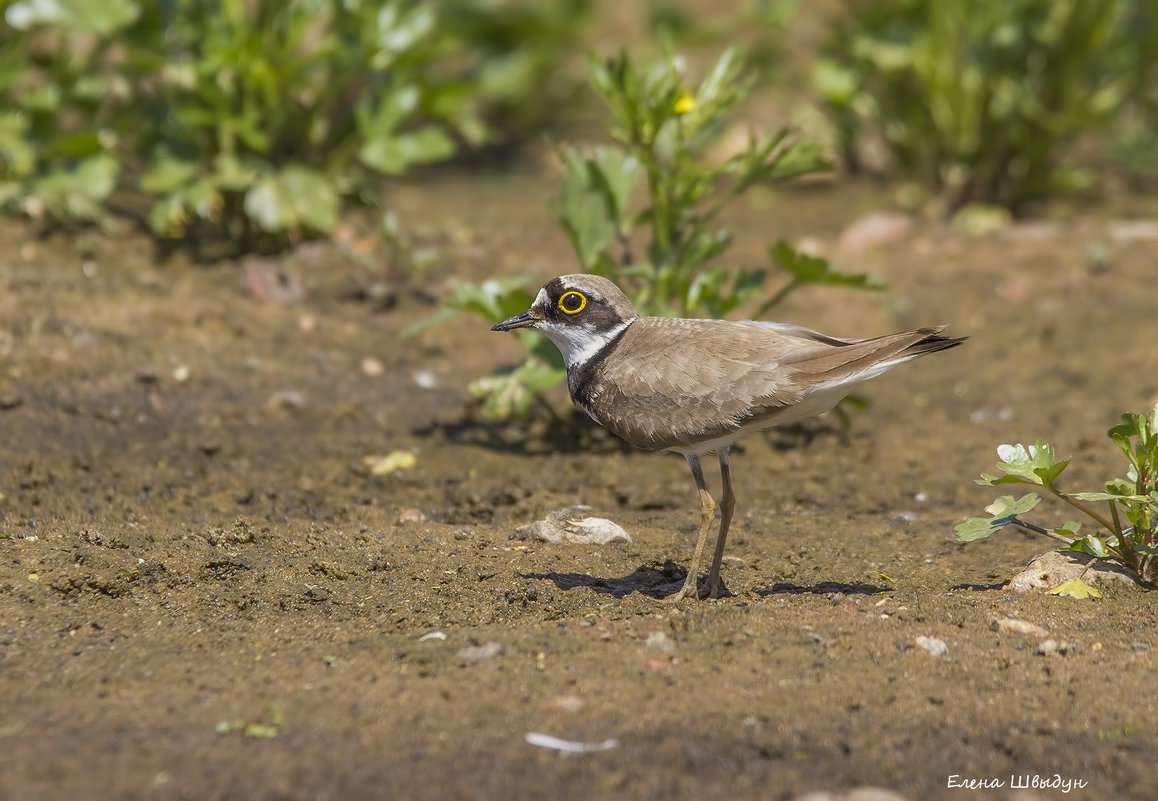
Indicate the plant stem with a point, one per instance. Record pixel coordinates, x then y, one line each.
1039 530
1128 555
1102 521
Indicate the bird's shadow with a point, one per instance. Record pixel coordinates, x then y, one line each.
571 432
662 582
648 580
972 587
823 588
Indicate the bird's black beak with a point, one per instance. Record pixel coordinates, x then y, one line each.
522 320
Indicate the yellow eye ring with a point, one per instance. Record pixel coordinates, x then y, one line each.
572 302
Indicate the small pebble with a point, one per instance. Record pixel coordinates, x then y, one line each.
660 642
480 653
933 645
1053 647
411 515
567 703
291 399
568 525
390 463
874 229
1015 626
372 367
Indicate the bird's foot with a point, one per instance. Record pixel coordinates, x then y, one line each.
699 590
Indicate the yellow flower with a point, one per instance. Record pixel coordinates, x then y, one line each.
685 103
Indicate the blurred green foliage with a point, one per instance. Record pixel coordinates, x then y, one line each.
667 177
258 116
977 97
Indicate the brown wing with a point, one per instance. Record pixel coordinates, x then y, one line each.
670 383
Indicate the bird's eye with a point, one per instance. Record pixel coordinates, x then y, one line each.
572 302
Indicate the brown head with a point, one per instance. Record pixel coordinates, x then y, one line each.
580 313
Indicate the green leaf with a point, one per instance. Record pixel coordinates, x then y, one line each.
166 173
976 528
494 299
293 199
989 480
615 174
1121 486
1090 544
582 213
1002 512
394 154
316 202
1008 506
833 82
509 396
1093 497
1035 463
78 193
806 269
1076 588
101 17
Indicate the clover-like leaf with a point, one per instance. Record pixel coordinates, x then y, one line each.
1008 506
976 528
1090 544
1093 497
1002 512
1034 463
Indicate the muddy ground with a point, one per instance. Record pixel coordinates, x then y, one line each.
205 593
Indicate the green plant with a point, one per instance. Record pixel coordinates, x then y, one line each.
661 182
269 113
979 97
61 107
665 132
1128 526
518 56
254 118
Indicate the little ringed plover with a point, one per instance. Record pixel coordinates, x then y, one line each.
694 386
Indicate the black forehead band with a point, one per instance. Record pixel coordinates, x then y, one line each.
555 289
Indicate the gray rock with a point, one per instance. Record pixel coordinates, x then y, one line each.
568 525
1054 567
935 646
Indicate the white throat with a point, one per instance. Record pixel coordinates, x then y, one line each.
579 343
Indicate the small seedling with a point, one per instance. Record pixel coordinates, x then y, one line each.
1126 513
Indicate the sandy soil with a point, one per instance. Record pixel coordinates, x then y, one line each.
206 594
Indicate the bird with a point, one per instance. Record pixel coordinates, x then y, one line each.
695 386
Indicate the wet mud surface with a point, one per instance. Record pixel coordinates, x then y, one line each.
206 591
